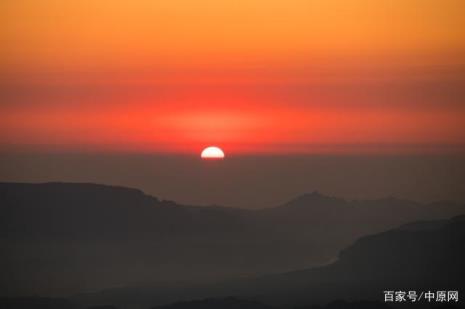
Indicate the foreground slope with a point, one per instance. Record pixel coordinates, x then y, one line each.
423 256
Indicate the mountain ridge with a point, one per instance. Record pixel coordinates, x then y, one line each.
311 196
77 227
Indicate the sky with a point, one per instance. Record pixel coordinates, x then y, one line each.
250 76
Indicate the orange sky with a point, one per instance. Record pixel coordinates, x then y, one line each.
251 76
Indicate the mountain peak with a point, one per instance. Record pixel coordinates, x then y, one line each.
315 194
314 198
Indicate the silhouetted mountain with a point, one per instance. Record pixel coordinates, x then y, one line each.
427 257
60 238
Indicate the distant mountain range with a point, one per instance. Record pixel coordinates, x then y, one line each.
422 257
63 238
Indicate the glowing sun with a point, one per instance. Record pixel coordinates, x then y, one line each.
212 152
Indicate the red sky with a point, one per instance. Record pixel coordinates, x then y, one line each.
271 77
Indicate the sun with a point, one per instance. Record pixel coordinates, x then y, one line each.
212 152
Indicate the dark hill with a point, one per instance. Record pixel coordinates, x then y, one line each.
420 259
60 238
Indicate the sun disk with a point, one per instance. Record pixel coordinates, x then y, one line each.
212 152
